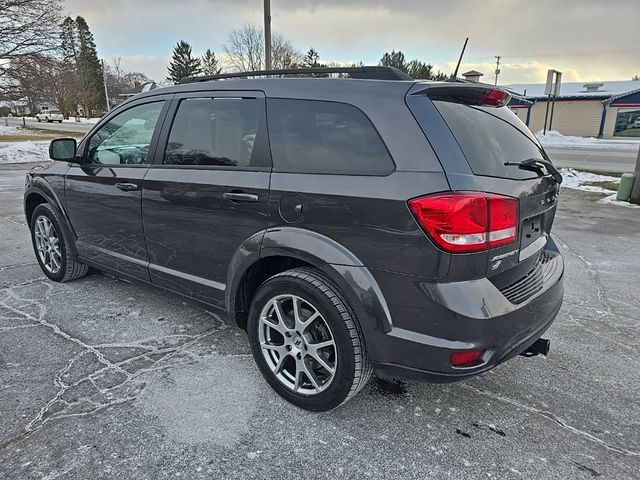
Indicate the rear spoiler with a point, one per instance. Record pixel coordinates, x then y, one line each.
468 94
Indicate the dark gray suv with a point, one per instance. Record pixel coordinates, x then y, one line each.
352 225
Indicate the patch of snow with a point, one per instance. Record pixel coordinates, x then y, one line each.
81 120
577 180
24 152
555 139
14 130
611 200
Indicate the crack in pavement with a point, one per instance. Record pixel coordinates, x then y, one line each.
593 273
105 383
26 283
55 328
603 317
16 265
554 418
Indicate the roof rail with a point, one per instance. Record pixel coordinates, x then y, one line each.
370 73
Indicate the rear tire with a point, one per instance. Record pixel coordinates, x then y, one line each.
52 248
315 358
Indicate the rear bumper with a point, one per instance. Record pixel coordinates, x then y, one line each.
431 320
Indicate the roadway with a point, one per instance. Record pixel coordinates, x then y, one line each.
600 160
56 127
597 160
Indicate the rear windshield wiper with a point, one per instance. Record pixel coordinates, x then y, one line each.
537 164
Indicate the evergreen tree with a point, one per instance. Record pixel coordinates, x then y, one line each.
182 63
69 41
210 64
415 68
312 59
394 59
89 69
69 78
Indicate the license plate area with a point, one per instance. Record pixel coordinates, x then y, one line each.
531 230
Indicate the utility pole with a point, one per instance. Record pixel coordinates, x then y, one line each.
267 34
104 82
498 57
635 190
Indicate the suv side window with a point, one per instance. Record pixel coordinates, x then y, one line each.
125 139
216 131
313 136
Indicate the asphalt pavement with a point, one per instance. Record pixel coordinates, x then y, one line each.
101 378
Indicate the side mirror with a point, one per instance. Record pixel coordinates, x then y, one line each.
63 149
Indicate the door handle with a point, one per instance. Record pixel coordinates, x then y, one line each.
127 187
240 197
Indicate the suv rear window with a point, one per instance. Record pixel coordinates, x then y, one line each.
489 137
313 136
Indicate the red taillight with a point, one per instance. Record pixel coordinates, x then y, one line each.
467 221
495 98
466 359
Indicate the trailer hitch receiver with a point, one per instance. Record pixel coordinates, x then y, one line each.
539 347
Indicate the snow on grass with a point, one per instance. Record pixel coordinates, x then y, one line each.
81 120
612 200
579 180
24 152
556 139
15 130
593 182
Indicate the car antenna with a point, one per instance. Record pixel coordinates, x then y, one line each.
454 75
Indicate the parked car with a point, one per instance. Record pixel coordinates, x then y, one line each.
378 224
50 116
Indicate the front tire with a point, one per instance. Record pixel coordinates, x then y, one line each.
52 249
306 340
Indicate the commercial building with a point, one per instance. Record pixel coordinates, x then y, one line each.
598 109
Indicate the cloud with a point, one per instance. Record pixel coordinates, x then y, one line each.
586 39
528 72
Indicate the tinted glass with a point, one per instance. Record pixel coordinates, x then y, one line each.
489 137
324 137
125 139
214 131
627 123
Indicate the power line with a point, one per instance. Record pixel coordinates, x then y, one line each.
628 51
575 54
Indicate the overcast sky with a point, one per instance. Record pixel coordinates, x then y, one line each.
586 39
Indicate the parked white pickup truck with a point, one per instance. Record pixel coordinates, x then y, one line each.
50 116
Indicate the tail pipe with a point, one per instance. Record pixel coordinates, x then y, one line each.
539 347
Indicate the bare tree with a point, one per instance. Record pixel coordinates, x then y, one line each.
27 28
245 48
284 54
116 68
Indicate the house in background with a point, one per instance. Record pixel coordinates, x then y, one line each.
596 109
118 95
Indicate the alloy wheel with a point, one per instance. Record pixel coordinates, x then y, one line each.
48 244
297 344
